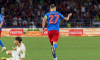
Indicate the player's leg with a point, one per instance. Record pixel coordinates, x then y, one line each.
13 53
53 38
50 35
3 48
8 52
55 42
1 44
50 38
1 41
54 55
51 46
54 50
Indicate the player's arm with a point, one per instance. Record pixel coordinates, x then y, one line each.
1 24
43 23
67 18
14 48
22 58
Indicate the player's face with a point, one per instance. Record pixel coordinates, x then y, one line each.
16 42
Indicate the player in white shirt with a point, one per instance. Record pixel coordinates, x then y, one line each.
17 53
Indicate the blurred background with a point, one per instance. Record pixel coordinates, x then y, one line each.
24 18
25 13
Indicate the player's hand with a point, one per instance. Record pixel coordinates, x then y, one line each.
70 14
42 31
14 48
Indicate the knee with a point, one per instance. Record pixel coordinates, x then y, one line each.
9 52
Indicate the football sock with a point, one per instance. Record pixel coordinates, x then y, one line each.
51 48
54 55
55 46
1 43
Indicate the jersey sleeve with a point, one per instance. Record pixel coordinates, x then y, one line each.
1 19
61 16
45 16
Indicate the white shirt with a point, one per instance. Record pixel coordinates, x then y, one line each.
2 10
99 6
83 9
19 53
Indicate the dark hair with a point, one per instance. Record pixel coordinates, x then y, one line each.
18 39
52 6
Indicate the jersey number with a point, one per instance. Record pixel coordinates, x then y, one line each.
52 17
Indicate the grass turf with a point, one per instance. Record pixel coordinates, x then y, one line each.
69 48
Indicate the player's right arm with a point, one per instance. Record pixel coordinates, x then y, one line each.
43 23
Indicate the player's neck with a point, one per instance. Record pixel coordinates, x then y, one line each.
53 10
19 44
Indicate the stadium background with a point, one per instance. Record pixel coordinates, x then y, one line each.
23 13
25 17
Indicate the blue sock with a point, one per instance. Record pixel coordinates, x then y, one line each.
55 46
51 48
1 43
54 53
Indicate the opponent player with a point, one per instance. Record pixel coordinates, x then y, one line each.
53 18
1 23
18 53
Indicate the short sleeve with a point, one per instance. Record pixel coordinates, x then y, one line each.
45 16
61 16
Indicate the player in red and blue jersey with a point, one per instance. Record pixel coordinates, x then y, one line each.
53 18
1 23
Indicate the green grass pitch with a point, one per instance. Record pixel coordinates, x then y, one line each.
69 48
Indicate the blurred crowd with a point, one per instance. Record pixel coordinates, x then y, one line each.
23 13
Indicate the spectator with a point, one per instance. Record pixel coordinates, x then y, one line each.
23 12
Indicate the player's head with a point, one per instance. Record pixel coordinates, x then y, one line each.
52 7
17 40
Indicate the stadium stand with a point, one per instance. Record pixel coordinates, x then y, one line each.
23 13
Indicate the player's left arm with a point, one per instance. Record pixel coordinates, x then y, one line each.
43 23
67 18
